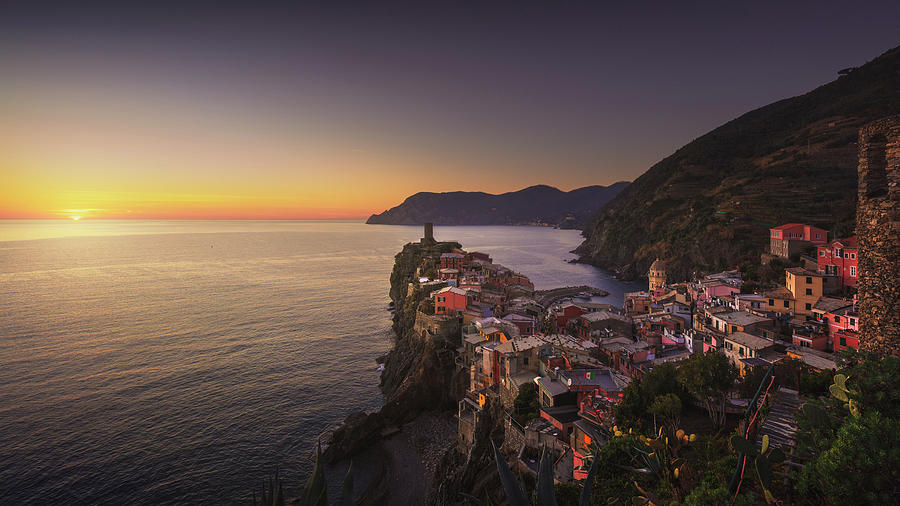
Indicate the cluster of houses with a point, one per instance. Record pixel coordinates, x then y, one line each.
579 355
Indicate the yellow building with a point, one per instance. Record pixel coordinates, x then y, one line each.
802 290
657 275
806 286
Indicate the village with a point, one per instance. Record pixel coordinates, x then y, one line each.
575 357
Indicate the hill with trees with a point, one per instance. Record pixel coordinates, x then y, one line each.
709 205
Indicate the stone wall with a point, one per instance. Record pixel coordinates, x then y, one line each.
437 325
878 230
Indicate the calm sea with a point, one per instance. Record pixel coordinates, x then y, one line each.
183 361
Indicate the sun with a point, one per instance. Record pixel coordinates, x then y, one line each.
76 218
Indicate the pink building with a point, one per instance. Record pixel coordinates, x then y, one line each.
790 239
838 258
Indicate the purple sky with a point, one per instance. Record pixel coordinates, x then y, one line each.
464 96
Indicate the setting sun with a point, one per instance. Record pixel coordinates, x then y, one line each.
76 218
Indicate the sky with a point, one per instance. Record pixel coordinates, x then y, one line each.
342 109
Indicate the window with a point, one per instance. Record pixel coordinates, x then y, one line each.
525 360
837 319
787 304
771 302
821 252
818 236
741 351
808 280
843 341
825 319
852 271
852 321
808 306
852 256
809 291
846 255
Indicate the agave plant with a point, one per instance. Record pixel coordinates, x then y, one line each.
544 493
315 493
272 493
660 458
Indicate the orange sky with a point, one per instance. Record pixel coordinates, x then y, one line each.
92 150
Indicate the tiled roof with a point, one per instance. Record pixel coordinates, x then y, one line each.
749 340
832 304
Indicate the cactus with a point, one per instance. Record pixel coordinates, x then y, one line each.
840 392
762 461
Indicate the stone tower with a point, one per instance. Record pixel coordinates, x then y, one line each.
657 275
878 230
429 234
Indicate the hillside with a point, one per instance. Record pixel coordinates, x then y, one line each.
533 205
709 205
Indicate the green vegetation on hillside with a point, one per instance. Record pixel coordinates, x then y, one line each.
709 205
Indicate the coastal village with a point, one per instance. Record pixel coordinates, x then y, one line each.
578 356
551 382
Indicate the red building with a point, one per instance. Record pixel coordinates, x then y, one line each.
566 312
838 258
452 261
791 238
450 301
841 321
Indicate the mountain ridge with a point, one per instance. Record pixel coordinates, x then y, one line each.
709 205
537 204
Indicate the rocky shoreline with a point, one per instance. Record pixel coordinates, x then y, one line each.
417 424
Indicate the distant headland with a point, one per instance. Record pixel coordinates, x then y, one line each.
536 205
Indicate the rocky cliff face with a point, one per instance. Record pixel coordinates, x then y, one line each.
420 373
710 204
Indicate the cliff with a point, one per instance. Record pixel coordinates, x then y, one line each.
709 205
534 205
420 373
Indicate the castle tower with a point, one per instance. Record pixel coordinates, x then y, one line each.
878 230
429 234
657 275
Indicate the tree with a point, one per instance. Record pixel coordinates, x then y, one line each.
634 407
526 404
853 436
861 467
666 408
709 377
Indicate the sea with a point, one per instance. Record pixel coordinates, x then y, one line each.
148 362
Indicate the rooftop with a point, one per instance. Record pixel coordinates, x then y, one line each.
847 242
451 289
832 304
551 386
800 271
520 344
749 340
741 318
604 315
779 293
602 378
